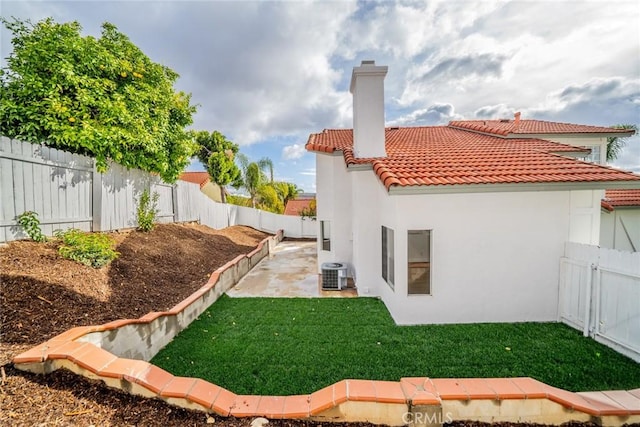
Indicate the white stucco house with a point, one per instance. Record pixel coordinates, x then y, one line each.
458 223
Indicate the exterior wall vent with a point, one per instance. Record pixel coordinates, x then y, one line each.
334 276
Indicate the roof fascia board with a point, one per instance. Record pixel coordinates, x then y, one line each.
502 188
567 135
360 167
577 154
630 207
547 136
328 153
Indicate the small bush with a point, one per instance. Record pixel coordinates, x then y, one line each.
147 211
31 225
91 249
310 211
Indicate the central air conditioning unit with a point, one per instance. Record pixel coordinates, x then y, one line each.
334 276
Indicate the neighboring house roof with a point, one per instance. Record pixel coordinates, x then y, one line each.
439 156
294 207
512 128
200 178
306 196
618 198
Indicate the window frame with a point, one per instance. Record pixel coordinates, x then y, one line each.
594 149
429 261
325 235
388 256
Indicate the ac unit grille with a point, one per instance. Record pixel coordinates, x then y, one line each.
334 276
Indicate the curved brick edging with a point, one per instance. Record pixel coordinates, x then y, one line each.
99 352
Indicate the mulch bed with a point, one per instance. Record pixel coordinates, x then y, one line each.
43 295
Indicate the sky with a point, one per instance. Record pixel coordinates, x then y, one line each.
267 74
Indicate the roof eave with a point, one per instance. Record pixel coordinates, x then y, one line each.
511 187
569 135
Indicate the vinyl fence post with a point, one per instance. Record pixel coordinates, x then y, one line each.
174 200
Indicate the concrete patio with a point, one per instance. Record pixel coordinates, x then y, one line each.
289 271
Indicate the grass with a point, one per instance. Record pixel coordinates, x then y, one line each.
281 346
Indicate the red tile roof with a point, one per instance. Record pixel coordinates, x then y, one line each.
200 178
618 198
509 127
294 207
442 155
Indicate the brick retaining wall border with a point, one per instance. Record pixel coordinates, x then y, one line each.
117 353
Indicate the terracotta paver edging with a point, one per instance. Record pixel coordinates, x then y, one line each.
389 402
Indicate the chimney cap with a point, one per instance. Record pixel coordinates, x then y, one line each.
367 68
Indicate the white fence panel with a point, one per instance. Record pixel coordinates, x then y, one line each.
247 216
186 201
54 184
119 195
617 320
165 201
270 221
65 191
309 228
573 291
600 294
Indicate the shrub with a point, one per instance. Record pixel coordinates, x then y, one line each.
31 225
91 249
147 210
310 211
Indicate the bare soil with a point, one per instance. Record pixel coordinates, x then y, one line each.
43 295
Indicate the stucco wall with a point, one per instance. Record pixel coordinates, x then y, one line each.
584 226
495 256
333 198
620 229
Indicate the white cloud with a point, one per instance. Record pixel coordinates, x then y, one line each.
497 111
436 114
309 172
294 151
261 71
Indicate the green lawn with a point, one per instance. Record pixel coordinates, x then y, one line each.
280 346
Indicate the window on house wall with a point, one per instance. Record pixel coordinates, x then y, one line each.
387 256
419 262
325 235
595 156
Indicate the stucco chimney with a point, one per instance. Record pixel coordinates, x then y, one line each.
367 87
517 118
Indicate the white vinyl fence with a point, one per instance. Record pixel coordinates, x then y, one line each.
600 295
66 191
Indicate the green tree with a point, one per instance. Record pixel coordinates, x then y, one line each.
286 191
218 153
616 143
102 97
252 175
269 200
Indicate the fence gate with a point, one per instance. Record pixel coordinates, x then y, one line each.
600 295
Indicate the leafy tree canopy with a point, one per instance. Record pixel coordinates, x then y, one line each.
217 153
100 97
252 175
